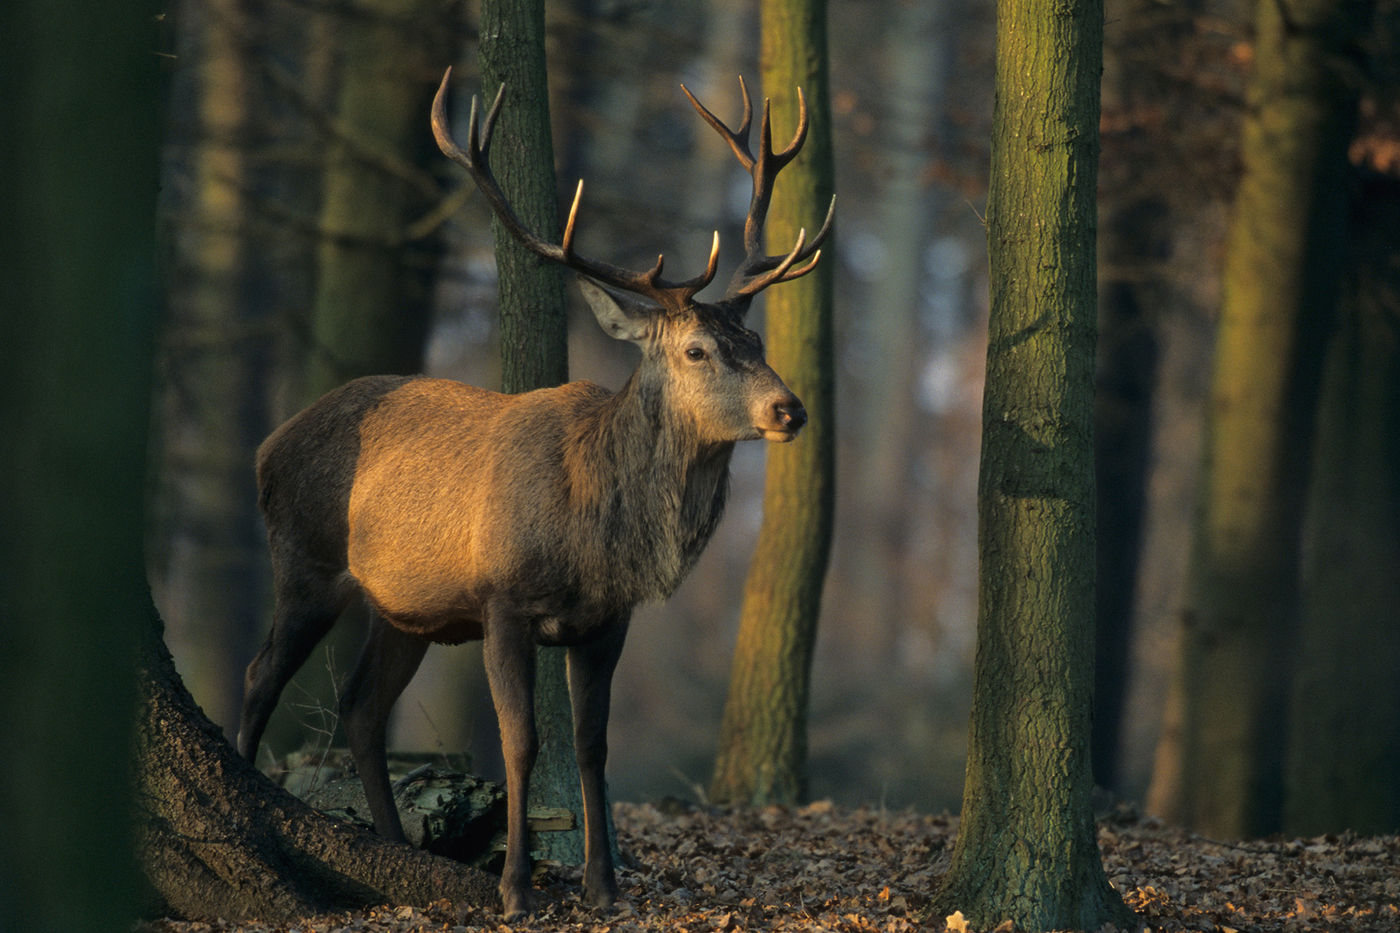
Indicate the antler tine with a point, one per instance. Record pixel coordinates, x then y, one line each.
475 160
753 284
738 140
751 280
798 138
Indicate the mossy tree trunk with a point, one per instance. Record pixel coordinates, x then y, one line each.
1280 280
762 756
534 330
1026 849
534 318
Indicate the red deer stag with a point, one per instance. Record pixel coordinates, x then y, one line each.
534 519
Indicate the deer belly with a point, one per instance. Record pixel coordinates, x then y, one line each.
441 613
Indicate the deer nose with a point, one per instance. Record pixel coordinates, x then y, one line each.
790 415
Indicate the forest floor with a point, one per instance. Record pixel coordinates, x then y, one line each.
828 868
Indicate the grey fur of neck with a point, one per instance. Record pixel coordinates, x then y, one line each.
655 491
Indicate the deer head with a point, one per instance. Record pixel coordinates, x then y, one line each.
700 353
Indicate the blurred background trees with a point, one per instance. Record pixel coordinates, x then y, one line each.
269 228
1281 275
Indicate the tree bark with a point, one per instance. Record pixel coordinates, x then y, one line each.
1026 850
762 756
534 332
218 839
534 319
1281 276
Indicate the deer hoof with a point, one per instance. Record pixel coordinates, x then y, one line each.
602 894
515 904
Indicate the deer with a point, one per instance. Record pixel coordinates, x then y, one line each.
537 519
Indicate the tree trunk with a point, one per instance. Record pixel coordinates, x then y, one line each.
534 319
534 332
1026 850
919 42
219 840
77 323
1344 744
1281 275
762 755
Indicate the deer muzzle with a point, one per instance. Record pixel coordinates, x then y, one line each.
786 418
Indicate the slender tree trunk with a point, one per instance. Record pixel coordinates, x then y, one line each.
1280 279
1344 742
77 321
762 754
1127 375
1026 850
534 319
534 332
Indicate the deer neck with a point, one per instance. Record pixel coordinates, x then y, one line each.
662 490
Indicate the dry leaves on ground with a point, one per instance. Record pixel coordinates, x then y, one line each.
827 868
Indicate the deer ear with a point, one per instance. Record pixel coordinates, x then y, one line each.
619 317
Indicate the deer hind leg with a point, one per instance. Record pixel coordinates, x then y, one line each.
387 663
308 602
591 667
509 653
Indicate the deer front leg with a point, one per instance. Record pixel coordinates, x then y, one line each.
509 653
591 668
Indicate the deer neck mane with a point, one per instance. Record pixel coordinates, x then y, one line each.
660 492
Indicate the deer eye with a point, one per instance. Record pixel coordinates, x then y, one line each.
696 354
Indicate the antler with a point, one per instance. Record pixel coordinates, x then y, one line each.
760 270
474 159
